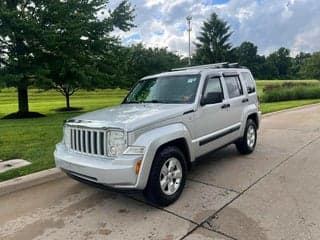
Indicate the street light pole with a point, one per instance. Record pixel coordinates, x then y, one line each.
189 18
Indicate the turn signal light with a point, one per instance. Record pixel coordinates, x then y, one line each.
138 165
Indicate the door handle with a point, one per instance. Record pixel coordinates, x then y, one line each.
245 100
226 105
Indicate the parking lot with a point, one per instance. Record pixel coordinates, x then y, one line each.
271 194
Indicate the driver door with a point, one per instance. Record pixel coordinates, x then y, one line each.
211 117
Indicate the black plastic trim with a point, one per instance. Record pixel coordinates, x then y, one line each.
187 112
210 139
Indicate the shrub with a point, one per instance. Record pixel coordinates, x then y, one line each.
291 84
282 93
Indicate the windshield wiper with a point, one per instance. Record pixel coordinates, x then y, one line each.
150 101
129 102
154 101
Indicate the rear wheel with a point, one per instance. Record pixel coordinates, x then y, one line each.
167 177
247 143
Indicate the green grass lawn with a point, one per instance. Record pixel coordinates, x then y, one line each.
35 139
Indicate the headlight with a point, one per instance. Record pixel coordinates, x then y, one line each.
116 143
134 150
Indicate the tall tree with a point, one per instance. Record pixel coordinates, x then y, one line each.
311 67
19 44
213 43
76 39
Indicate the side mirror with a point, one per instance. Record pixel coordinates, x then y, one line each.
212 98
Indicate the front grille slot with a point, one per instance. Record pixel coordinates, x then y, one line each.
88 141
101 145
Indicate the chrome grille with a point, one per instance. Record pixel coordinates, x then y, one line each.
88 141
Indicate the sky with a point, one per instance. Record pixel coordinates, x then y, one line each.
270 24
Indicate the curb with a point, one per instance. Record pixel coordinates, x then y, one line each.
290 109
30 180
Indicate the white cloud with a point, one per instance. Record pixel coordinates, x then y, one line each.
270 24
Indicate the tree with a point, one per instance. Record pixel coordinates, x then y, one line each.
311 67
281 62
297 63
247 55
19 44
144 61
213 43
76 40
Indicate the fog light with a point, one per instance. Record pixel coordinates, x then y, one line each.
138 165
113 150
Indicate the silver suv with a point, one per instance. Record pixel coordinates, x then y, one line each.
164 124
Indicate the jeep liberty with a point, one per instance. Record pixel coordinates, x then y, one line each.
164 124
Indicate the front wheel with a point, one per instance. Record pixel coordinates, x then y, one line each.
167 177
247 143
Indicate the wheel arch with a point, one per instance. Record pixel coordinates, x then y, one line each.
255 118
182 145
171 135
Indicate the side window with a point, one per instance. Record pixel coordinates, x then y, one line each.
213 92
233 86
249 82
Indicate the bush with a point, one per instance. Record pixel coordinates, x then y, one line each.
282 93
291 84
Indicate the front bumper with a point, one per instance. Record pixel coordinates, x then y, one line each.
113 172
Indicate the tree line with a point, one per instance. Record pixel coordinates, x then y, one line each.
68 45
213 45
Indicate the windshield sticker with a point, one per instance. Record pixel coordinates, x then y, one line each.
192 80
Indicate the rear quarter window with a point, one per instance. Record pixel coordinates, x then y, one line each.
249 81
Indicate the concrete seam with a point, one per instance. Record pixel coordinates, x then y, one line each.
258 180
197 225
165 210
213 185
190 232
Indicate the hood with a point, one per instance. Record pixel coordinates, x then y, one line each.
131 116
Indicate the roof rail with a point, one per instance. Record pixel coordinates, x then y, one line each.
207 66
234 65
211 66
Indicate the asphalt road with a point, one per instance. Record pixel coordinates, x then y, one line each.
271 194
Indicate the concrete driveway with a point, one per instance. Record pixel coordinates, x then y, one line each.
271 194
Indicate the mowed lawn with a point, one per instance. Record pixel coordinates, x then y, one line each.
35 139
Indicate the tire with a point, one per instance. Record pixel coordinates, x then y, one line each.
163 186
247 143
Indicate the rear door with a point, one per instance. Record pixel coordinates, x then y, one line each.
237 100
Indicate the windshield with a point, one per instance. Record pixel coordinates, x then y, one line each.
170 89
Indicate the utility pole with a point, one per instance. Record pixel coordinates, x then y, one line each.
189 18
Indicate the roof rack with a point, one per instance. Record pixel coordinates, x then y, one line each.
210 66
